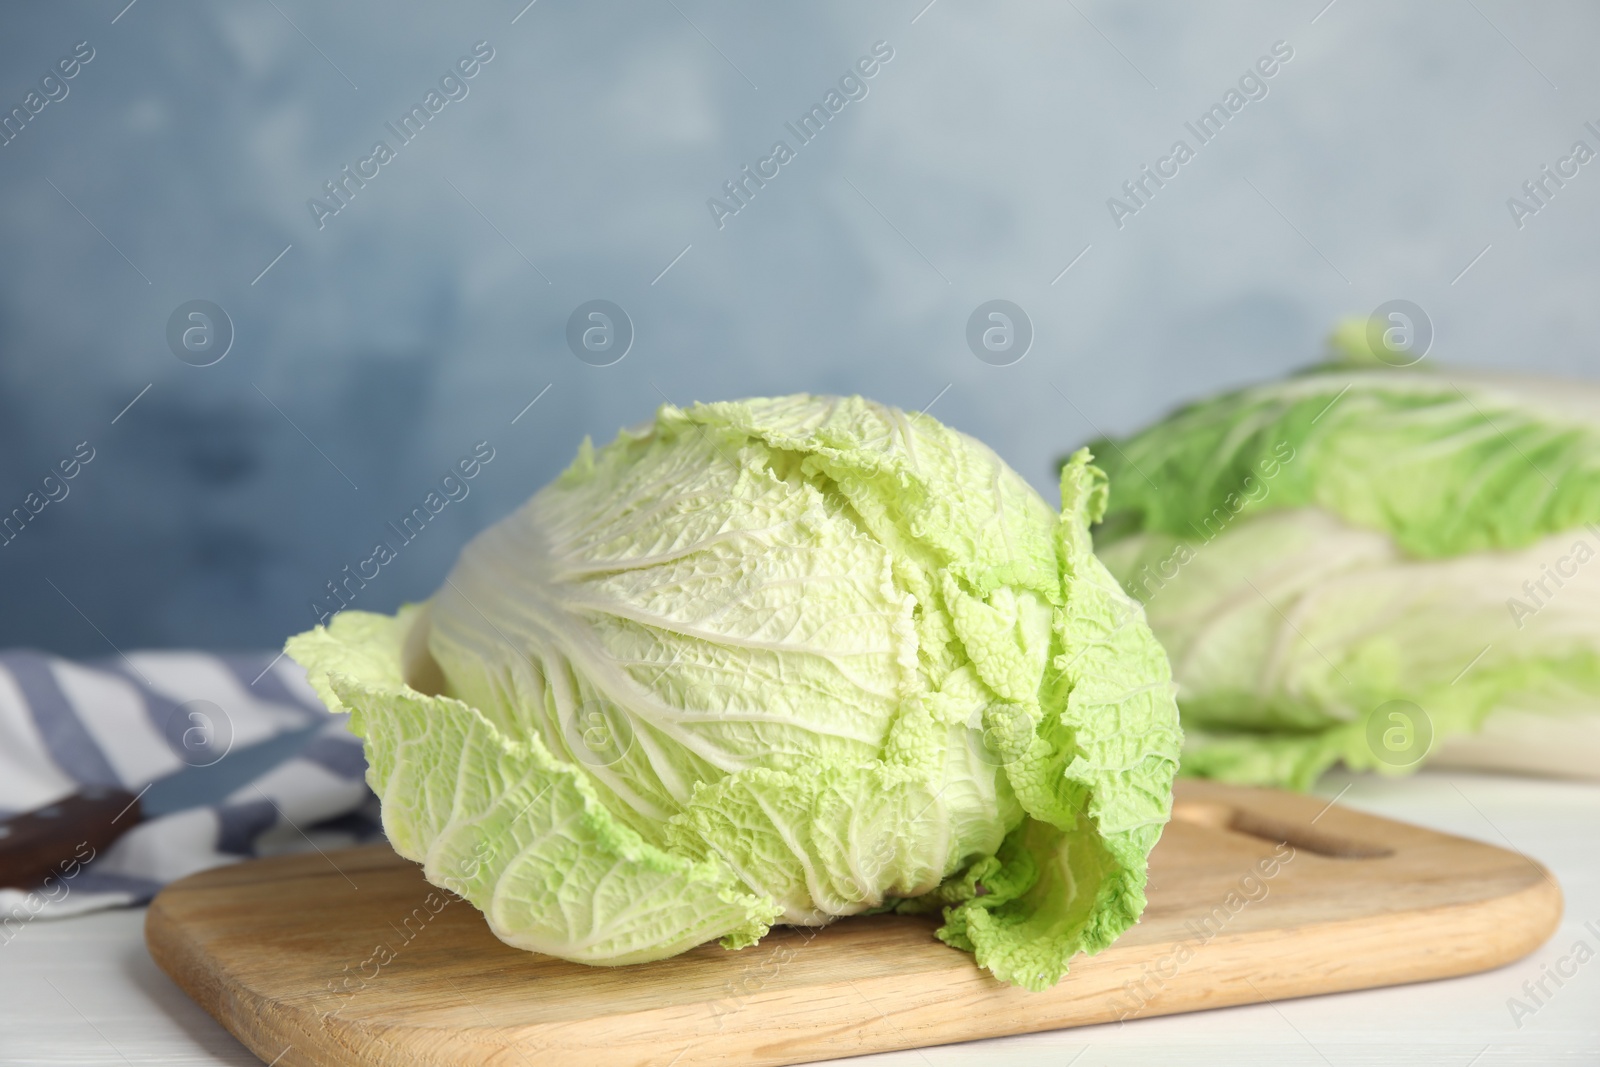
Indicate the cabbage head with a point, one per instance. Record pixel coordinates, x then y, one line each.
774 661
1371 565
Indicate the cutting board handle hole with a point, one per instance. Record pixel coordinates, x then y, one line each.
1307 838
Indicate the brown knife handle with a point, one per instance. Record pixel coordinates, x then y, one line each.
58 837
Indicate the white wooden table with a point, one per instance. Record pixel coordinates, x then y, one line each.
84 992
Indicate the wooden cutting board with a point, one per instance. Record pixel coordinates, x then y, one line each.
352 958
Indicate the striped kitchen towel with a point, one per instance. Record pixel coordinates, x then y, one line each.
139 721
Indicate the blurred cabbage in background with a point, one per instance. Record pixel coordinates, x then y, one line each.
1373 564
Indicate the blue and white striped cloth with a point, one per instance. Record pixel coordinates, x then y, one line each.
125 722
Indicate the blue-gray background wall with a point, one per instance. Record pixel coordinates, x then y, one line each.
426 314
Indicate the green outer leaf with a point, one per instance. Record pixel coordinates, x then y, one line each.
510 828
1443 463
1291 761
1097 778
